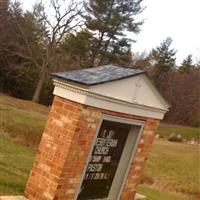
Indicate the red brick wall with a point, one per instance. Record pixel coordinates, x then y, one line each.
64 148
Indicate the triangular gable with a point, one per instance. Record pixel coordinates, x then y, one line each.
137 89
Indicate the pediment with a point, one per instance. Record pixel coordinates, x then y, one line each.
138 90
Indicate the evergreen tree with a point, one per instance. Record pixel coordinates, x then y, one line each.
78 46
163 60
186 65
141 60
108 20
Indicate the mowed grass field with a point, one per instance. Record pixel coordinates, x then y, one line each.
174 168
188 133
15 164
171 173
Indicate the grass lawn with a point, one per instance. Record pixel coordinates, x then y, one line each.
22 120
174 167
15 164
16 161
154 194
24 105
171 168
187 133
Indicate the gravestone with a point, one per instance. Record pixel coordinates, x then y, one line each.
98 135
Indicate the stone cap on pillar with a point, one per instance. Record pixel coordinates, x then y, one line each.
111 87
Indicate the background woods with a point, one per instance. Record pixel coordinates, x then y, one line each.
67 35
37 36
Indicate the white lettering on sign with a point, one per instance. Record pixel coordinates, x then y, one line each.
94 167
106 142
106 159
107 134
101 157
111 134
95 159
101 150
104 133
97 176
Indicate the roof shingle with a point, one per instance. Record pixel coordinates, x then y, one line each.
98 75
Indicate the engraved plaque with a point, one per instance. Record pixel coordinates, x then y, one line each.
104 160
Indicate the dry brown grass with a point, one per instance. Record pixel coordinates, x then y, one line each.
22 120
23 104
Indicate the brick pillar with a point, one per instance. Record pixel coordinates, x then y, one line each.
66 141
64 148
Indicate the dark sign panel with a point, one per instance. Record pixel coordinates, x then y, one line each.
104 160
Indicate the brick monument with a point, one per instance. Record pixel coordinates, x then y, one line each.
98 135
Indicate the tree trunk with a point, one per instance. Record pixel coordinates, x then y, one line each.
38 90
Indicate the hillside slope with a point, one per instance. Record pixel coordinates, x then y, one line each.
22 120
171 168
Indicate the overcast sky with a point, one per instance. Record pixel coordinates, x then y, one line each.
178 19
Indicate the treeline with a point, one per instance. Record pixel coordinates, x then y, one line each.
66 35
180 85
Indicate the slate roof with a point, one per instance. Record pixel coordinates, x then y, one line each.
98 75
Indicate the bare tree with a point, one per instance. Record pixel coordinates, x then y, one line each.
183 92
63 20
40 33
3 21
3 14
